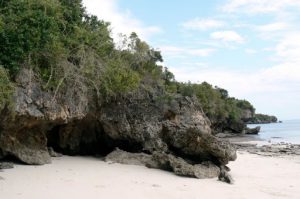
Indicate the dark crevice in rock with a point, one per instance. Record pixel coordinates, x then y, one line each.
170 115
53 138
194 159
9 161
11 158
126 145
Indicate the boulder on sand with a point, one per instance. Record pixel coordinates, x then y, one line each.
252 131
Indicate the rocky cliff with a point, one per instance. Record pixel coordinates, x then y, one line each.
173 133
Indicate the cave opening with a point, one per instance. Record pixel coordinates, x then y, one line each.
86 137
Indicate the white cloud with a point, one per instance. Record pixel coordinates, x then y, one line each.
227 36
288 48
203 24
259 6
277 26
201 52
121 21
283 73
250 51
195 64
181 51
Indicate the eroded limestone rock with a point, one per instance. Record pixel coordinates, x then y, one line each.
165 161
176 129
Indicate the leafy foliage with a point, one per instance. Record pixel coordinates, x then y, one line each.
30 32
6 89
118 79
64 45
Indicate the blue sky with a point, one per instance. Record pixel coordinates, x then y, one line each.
249 47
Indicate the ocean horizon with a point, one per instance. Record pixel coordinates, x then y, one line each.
288 131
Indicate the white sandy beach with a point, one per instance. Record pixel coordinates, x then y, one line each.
85 177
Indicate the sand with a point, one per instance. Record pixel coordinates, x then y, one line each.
88 178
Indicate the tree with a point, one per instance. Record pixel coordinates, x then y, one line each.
30 34
223 92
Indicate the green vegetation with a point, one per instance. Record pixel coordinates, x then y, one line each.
63 44
6 89
118 79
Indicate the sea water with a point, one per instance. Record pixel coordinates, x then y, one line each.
288 131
